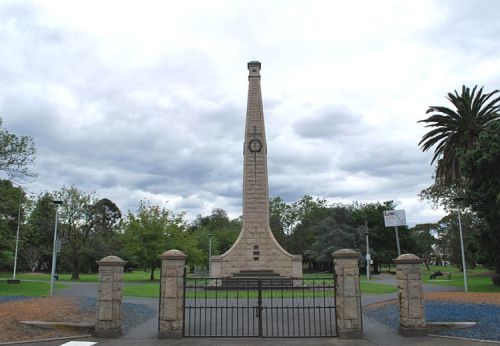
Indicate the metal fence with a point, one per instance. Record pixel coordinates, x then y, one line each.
259 307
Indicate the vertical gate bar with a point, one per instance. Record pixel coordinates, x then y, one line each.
293 312
206 304
195 300
282 313
309 315
216 310
186 309
324 305
227 311
159 300
259 305
238 314
314 306
303 306
335 295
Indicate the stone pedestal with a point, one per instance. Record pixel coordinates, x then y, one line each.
410 295
348 296
109 297
171 294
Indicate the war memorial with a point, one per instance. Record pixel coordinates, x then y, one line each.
256 251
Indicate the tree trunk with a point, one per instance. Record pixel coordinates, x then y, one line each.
426 262
497 264
152 276
75 272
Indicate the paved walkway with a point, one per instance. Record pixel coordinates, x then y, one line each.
375 333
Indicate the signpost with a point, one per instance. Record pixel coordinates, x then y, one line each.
395 218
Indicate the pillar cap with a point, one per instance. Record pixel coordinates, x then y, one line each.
408 258
111 261
254 63
345 253
173 254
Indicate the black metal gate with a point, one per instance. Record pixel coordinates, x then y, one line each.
259 307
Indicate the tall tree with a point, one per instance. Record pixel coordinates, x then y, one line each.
17 153
334 232
222 230
37 237
75 230
151 231
456 130
482 171
423 234
12 200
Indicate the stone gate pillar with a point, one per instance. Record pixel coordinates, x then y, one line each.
171 294
348 296
109 297
410 295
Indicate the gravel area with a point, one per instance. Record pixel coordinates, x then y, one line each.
61 309
484 309
133 314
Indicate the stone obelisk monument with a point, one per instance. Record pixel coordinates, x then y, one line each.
256 249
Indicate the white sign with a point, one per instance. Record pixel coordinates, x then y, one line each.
368 257
393 218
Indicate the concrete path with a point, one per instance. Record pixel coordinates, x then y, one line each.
375 333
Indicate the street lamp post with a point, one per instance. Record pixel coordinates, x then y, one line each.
209 254
368 257
54 250
462 244
14 280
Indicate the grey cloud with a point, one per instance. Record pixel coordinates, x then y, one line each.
328 122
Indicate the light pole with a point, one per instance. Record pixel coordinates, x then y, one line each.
209 254
458 200
368 257
54 250
14 280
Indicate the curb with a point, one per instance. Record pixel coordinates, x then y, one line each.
45 340
465 339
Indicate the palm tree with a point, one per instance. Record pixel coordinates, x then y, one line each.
457 130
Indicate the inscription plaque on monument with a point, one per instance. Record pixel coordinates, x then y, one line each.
256 249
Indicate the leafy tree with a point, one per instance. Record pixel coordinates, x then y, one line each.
105 217
75 230
151 231
11 200
302 220
336 231
449 238
223 231
16 154
383 248
457 130
37 237
424 241
482 171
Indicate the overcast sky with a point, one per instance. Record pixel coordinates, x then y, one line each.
147 100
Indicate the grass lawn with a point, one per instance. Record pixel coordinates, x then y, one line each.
26 288
137 276
478 279
152 289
